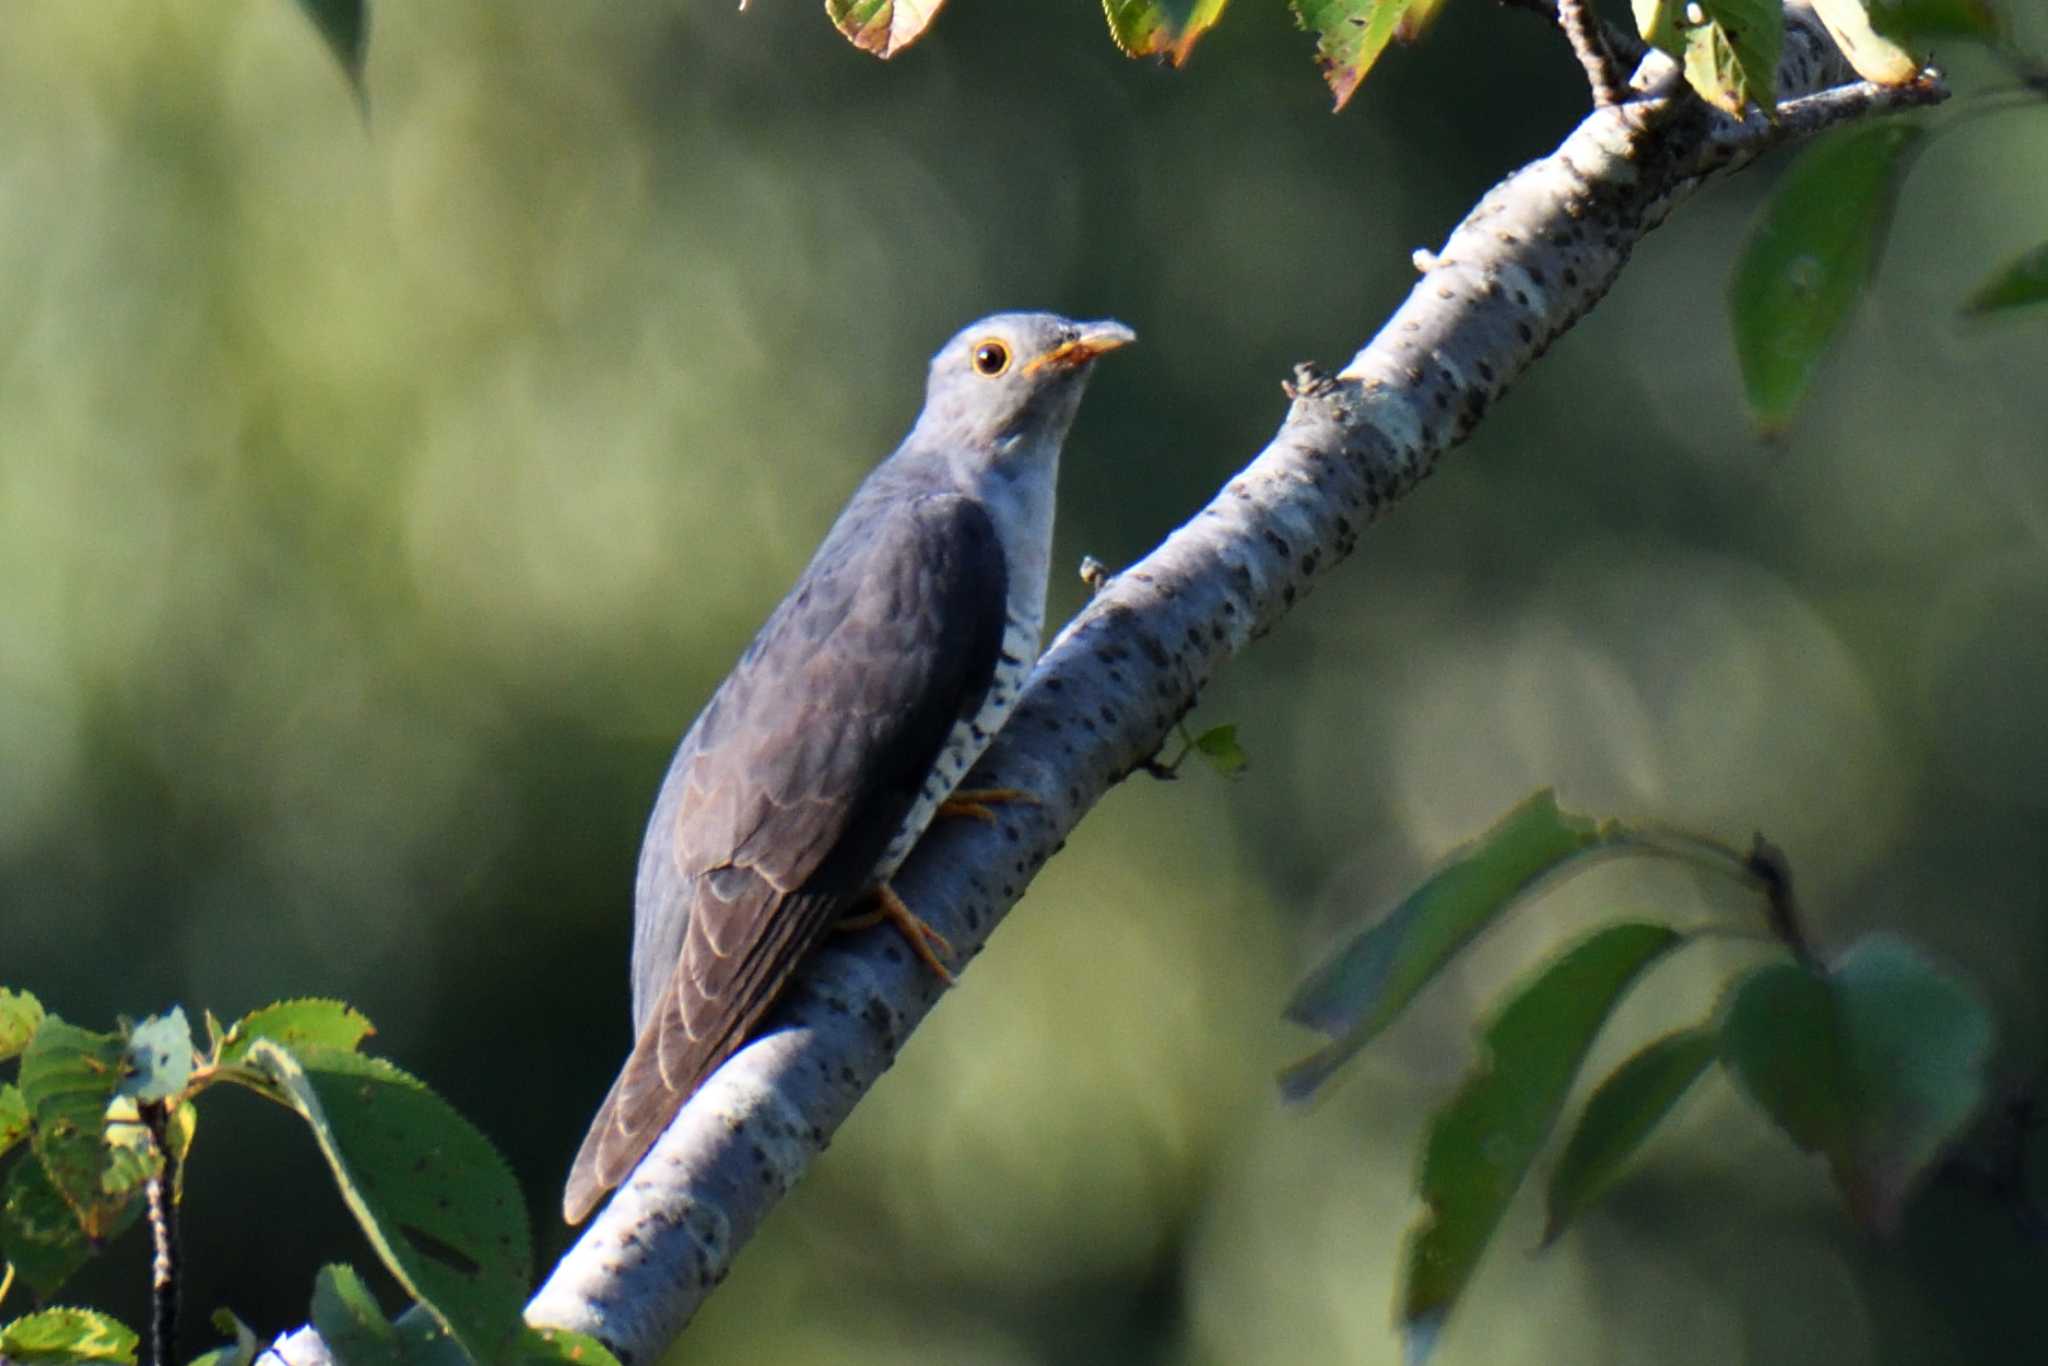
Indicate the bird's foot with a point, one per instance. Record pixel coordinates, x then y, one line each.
978 803
926 942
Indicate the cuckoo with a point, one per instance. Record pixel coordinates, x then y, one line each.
848 722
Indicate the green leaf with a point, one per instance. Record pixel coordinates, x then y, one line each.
20 1014
13 1116
560 1347
344 25
1917 23
1480 1145
39 1235
1877 1064
2019 283
242 1352
1620 1116
434 1198
1809 259
1351 35
1359 991
67 1335
305 1023
68 1077
883 27
1731 59
158 1059
350 1321
1161 28
1219 746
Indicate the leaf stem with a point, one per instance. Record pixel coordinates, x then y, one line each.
1764 869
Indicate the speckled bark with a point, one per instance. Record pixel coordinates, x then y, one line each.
1534 255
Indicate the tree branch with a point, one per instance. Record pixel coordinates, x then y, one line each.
1532 257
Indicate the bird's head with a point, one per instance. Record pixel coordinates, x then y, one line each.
1007 386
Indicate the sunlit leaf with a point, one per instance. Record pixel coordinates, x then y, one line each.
20 1013
559 1347
1620 1116
1480 1145
436 1201
1877 1064
1360 990
68 1076
13 1116
1219 747
350 1321
1351 34
2019 283
1731 60
1809 259
157 1061
1161 28
1874 56
883 27
307 1022
344 25
68 1335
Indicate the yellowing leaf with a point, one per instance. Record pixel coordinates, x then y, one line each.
1875 58
883 27
1161 28
1351 35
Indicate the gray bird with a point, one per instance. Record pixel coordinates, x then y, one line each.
851 717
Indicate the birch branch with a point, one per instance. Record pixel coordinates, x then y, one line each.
1533 256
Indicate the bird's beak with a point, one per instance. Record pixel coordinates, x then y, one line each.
1092 341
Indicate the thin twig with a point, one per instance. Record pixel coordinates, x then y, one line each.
1588 37
163 1228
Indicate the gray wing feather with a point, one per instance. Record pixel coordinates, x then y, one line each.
782 797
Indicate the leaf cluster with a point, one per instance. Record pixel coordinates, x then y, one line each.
79 1136
1875 1060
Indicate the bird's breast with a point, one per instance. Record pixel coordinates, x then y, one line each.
968 738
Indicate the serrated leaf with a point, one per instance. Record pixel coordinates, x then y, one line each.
39 1235
1916 23
68 1335
1481 1143
1809 259
1351 34
2019 283
1160 28
1218 745
20 1013
241 1352
68 1077
1874 57
1620 1116
1877 1065
1731 58
434 1198
305 1023
344 25
883 27
157 1061
350 1321
13 1116
1359 991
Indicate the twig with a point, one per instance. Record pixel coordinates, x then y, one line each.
160 1193
1588 37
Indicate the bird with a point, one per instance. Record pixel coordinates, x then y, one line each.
848 722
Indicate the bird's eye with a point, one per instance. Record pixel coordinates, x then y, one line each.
991 358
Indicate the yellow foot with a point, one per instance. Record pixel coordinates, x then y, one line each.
926 942
978 802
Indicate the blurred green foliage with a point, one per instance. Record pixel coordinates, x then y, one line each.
378 504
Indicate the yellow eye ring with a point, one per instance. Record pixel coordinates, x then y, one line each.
991 358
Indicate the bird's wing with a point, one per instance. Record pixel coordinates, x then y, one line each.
788 789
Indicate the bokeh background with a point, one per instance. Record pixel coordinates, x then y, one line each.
378 502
